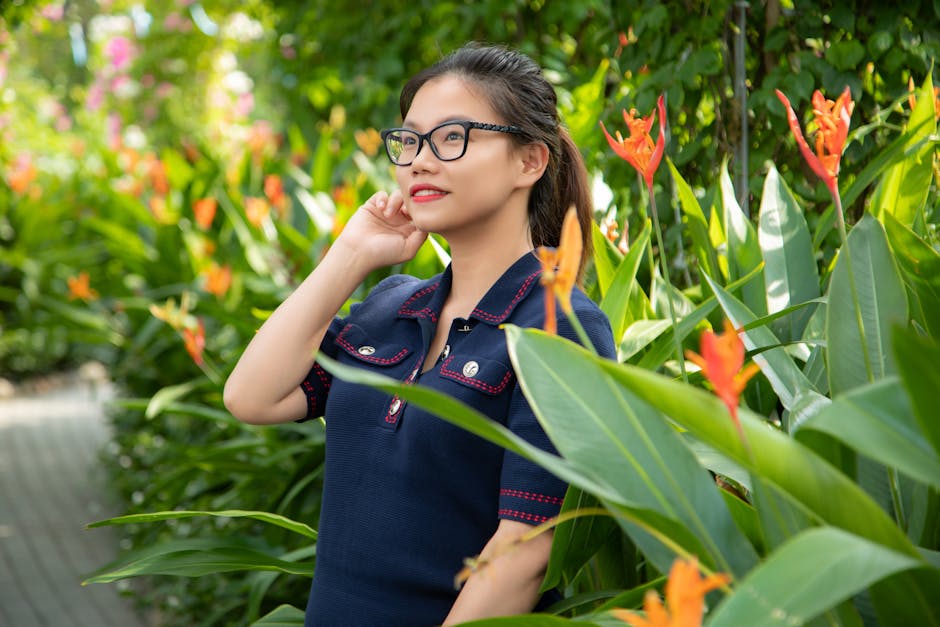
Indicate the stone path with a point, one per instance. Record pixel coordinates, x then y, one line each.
51 486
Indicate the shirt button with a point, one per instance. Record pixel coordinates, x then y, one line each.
446 351
470 369
366 350
395 406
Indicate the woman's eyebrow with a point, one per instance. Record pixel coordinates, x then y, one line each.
406 123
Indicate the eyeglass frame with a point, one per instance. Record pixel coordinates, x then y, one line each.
426 137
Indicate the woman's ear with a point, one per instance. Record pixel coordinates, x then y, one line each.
534 159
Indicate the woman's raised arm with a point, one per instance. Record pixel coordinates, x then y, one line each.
264 387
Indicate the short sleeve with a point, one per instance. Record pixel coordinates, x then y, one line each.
316 385
529 493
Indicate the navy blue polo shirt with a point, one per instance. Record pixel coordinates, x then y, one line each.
407 496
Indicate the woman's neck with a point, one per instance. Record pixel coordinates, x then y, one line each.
475 269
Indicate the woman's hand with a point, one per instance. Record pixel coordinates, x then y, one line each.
381 232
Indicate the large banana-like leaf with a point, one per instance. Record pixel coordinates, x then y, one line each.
195 557
790 263
903 189
813 572
877 421
744 253
616 301
781 462
602 428
866 297
694 220
920 264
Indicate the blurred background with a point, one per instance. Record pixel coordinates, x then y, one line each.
170 170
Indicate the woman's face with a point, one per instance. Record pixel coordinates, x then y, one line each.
472 191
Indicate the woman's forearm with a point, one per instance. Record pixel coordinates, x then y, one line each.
264 387
509 581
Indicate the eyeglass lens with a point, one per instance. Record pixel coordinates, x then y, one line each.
448 142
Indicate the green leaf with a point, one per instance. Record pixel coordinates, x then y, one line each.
808 575
606 258
790 263
743 249
917 362
586 106
616 302
694 220
267 517
786 465
605 431
877 421
168 395
920 265
282 616
577 540
903 189
528 620
194 557
866 297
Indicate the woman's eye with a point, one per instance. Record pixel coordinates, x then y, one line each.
454 136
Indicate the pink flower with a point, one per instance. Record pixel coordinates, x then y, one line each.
119 51
95 97
53 12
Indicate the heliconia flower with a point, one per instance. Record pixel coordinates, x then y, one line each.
685 598
80 288
218 279
262 140
832 121
274 191
195 341
721 362
638 149
204 212
256 210
560 269
912 98
177 317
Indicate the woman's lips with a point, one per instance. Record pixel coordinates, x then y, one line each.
426 193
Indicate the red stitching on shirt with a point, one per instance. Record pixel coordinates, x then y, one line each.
405 309
479 313
482 385
375 360
532 496
324 377
311 399
523 515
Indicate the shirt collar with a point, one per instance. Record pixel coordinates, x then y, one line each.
495 307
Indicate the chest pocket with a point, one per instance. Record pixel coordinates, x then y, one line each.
484 375
356 342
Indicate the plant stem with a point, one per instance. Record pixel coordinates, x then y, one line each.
677 341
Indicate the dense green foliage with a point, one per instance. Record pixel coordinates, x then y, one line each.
106 155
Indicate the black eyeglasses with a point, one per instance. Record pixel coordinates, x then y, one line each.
448 141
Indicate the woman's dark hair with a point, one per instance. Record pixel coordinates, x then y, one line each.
516 89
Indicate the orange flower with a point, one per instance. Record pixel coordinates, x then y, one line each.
560 269
218 279
158 178
638 149
22 174
685 598
195 341
912 99
79 288
256 210
274 190
832 122
721 360
369 141
204 211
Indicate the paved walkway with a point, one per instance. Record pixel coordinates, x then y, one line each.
51 486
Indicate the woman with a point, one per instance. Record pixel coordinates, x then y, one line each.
483 161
